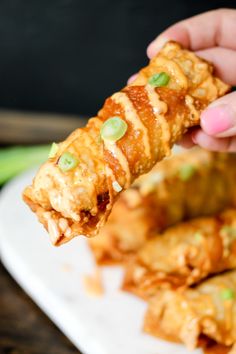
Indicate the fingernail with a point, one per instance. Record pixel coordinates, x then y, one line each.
218 119
193 136
132 78
155 46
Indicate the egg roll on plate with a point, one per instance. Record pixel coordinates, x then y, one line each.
195 315
211 347
74 191
189 184
183 255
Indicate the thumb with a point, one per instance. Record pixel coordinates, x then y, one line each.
219 119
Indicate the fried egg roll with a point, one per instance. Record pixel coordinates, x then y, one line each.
184 254
190 184
193 315
74 191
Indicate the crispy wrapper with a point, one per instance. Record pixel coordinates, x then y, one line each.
187 185
184 255
196 315
79 201
211 347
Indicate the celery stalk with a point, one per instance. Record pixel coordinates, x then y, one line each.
16 159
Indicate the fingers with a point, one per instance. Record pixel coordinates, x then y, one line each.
186 141
219 119
210 29
131 79
224 61
218 124
214 144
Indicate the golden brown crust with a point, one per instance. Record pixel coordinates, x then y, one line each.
186 315
79 201
163 197
184 255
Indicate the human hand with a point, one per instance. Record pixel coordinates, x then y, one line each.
212 35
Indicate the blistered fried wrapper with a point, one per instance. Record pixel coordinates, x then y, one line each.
187 185
183 255
79 201
197 315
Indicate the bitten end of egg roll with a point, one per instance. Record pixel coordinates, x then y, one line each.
74 202
74 191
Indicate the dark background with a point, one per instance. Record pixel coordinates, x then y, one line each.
67 55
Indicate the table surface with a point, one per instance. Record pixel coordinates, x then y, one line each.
24 328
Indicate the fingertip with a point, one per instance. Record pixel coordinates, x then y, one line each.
214 144
177 32
150 51
199 137
155 46
131 79
219 120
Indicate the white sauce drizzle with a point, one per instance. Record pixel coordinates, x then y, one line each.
118 154
159 109
132 116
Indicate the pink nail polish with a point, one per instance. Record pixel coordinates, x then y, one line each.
218 119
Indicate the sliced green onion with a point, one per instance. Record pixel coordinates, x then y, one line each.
198 236
159 80
53 150
227 294
67 162
186 172
229 230
113 129
116 186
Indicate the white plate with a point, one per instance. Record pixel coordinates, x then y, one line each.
110 324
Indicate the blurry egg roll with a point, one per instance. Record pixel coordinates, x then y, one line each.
184 254
190 184
195 315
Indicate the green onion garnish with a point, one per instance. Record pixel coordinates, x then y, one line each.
227 294
229 230
113 129
158 80
116 186
67 162
53 150
186 172
198 236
